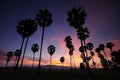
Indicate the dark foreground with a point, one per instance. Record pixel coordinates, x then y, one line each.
27 74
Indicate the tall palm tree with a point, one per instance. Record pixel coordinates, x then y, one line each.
9 55
21 31
51 50
110 45
102 48
30 26
44 19
62 59
76 18
34 48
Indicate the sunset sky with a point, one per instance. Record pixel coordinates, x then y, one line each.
103 23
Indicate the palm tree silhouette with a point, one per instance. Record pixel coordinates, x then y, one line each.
110 45
34 48
76 18
44 19
70 46
21 31
9 55
51 50
29 26
17 53
62 59
90 47
102 48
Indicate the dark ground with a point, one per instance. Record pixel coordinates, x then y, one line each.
28 74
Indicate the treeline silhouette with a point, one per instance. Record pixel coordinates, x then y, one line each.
76 18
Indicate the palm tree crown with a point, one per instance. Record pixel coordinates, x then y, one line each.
62 59
51 49
44 18
26 27
35 47
76 17
110 45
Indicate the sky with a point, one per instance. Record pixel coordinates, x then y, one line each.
103 23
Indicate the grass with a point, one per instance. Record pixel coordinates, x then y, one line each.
27 74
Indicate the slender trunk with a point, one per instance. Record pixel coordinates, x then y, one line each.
50 62
24 53
39 65
74 62
33 60
86 62
18 60
15 61
71 63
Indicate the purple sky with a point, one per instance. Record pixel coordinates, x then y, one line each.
103 22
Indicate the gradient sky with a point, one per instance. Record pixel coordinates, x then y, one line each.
103 22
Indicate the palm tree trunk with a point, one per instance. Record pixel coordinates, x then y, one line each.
39 65
71 63
18 60
33 60
50 62
74 62
86 62
24 53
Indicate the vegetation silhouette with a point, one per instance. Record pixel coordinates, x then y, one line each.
76 18
9 55
30 26
34 48
25 28
17 53
44 19
51 50
70 46
62 59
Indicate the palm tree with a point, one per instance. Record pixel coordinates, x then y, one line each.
90 47
70 46
110 45
44 19
102 47
17 53
51 50
21 31
76 18
62 59
9 55
30 26
34 48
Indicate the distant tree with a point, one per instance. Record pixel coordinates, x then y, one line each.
102 48
30 26
70 46
51 50
9 55
62 59
44 19
90 47
82 66
34 48
17 54
110 45
116 58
